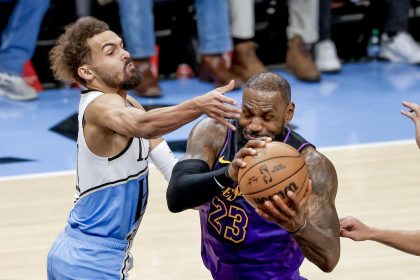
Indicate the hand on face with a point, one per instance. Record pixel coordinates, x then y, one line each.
289 217
248 150
214 105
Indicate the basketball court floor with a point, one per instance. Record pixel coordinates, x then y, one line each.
352 117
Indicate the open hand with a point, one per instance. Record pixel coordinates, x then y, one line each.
215 105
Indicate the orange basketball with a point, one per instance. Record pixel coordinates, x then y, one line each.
276 169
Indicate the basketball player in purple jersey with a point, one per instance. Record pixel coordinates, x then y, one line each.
239 242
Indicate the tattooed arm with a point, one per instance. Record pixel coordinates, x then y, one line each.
312 221
320 239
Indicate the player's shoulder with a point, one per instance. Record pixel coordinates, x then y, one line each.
310 154
209 126
107 100
207 134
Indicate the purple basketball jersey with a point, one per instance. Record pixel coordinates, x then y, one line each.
236 242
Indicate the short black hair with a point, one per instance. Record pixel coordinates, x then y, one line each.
269 82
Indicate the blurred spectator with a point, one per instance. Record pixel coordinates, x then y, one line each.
325 52
18 42
214 37
397 45
302 32
245 62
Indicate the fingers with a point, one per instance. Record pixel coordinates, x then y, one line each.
407 114
263 214
258 143
345 233
223 121
411 105
226 88
286 211
246 151
226 109
414 110
224 99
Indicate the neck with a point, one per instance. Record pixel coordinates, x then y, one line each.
107 89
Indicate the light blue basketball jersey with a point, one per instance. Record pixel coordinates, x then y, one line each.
111 198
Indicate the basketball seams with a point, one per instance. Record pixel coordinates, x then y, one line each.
272 185
258 163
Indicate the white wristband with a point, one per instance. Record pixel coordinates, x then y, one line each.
164 159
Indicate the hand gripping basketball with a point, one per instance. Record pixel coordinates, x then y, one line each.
275 169
248 150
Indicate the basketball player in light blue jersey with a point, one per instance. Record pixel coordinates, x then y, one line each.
113 151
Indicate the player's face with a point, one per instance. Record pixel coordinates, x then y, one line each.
111 63
264 114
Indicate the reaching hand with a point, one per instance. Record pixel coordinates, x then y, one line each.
247 150
414 114
352 228
213 105
290 217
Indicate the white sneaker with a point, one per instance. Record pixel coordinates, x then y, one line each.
326 58
400 48
15 88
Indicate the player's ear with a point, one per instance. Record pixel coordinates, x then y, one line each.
85 72
290 110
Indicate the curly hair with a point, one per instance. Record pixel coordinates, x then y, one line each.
72 49
269 81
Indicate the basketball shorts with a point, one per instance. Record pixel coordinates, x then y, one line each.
75 255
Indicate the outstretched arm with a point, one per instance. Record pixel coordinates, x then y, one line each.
109 111
313 221
414 114
404 240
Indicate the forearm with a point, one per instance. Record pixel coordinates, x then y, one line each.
320 247
160 121
193 184
134 122
406 241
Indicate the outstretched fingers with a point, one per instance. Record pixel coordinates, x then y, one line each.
226 88
219 118
413 110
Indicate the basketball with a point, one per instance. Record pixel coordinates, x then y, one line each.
276 169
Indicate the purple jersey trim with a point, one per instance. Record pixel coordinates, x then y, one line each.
287 135
227 141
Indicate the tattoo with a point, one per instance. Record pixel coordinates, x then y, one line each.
324 187
205 141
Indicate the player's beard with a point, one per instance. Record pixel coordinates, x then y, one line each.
130 79
133 80
242 140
